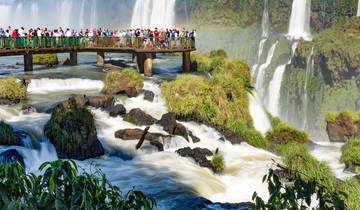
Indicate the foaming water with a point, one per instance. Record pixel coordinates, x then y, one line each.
274 90
46 85
258 114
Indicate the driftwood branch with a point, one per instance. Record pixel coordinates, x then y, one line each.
142 139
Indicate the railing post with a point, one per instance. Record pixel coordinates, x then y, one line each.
73 58
28 62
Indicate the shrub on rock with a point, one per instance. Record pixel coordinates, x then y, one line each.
72 131
218 163
342 126
12 89
285 134
127 81
351 155
45 59
8 136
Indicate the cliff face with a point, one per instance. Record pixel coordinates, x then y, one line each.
333 79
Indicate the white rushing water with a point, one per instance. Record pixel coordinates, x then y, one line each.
274 90
258 114
309 67
46 85
358 9
299 26
265 20
153 13
261 72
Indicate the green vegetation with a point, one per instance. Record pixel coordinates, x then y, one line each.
45 59
209 62
7 135
351 155
119 81
62 187
351 189
297 158
221 100
281 135
12 89
351 116
218 163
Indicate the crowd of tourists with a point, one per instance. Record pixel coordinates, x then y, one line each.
138 38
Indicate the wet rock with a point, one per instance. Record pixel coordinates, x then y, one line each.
139 118
194 138
131 92
149 95
199 155
8 135
11 156
28 109
117 110
168 121
101 101
136 134
8 102
72 131
342 129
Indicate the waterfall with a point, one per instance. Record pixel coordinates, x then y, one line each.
258 114
82 15
93 18
309 67
153 13
35 12
262 68
265 20
274 90
299 27
5 11
65 13
358 10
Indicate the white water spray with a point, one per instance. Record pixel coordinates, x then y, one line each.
265 20
258 114
358 10
299 26
153 13
274 90
309 67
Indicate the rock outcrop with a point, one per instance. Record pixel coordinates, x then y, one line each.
11 156
168 121
139 118
199 155
149 95
8 135
127 81
117 110
342 128
72 131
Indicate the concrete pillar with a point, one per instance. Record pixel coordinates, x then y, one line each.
73 58
148 64
186 62
100 58
28 62
140 61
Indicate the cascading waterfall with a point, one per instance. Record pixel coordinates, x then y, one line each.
93 18
82 15
153 13
261 72
265 20
65 13
358 10
299 26
35 12
309 67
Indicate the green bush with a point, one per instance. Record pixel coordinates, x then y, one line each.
351 155
275 121
203 62
218 53
297 158
62 187
351 189
7 135
250 135
12 89
218 163
45 59
122 80
221 100
333 117
285 134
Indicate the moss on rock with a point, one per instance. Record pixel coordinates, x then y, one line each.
351 155
8 136
123 81
285 134
45 59
12 89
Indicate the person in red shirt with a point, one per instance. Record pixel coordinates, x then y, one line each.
157 36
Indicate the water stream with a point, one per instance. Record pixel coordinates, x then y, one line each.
299 26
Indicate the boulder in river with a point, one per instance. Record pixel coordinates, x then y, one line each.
149 95
139 118
127 81
342 127
117 110
8 135
72 131
168 121
11 156
199 155
136 134
28 109
194 138
101 101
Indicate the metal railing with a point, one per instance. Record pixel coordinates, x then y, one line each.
92 42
